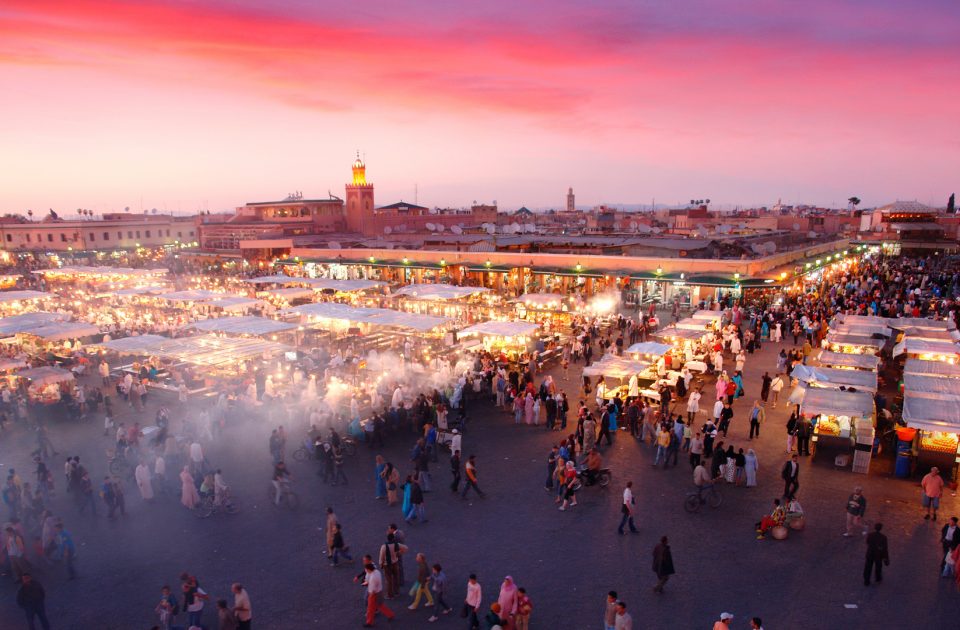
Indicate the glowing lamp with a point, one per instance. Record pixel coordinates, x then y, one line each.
406 261
487 264
443 262
372 259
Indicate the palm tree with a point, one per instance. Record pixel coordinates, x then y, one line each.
854 202
30 214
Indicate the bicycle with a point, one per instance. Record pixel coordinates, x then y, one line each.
709 495
287 496
118 464
208 506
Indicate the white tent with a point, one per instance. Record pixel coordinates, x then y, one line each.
930 384
611 366
236 303
931 368
833 402
139 344
920 322
501 329
650 348
192 295
20 296
844 360
18 323
332 311
860 319
863 330
835 378
690 323
549 301
927 350
153 289
439 291
46 375
930 334
277 279
249 325
931 412
714 317
11 364
62 330
863 341
290 293
346 286
672 332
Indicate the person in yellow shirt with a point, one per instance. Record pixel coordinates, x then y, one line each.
663 441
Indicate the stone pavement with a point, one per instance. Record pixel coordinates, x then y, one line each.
567 561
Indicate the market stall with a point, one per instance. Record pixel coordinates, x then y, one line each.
439 291
7 297
936 419
931 368
844 361
44 384
510 338
836 378
929 334
25 321
841 420
928 350
246 325
853 344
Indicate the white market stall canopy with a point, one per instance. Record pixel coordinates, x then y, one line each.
835 378
929 334
439 291
289 293
62 330
501 329
611 366
690 323
868 320
46 375
650 348
236 303
920 322
708 316
930 384
672 332
864 330
551 301
931 368
144 290
332 311
207 350
345 286
11 364
844 360
192 295
101 272
815 401
20 296
277 279
863 341
931 412
19 323
927 350
249 325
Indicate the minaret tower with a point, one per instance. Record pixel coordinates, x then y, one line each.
360 200
571 204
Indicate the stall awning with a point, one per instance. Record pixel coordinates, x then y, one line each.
931 412
439 291
611 366
921 322
690 323
138 344
46 375
277 279
929 334
242 325
26 321
931 368
672 332
861 330
833 402
842 359
104 273
501 329
836 378
236 303
193 295
863 341
924 349
346 286
551 301
708 316
289 293
332 311
62 330
11 364
650 348
20 296
930 384
206 350
144 290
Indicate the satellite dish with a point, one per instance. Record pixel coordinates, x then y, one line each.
335 244
633 226
656 230
530 227
515 227
796 227
812 234
439 226
430 227
643 228
456 229
491 229
387 230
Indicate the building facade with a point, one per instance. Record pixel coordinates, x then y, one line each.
112 231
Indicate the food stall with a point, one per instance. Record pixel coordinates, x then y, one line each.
614 367
25 321
942 351
931 368
835 378
843 420
844 361
929 334
44 384
714 318
511 338
686 343
238 304
244 325
936 419
853 344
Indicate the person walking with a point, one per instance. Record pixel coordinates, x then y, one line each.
610 611
626 508
226 618
241 606
932 489
856 508
696 450
949 539
551 466
471 604
32 598
375 604
623 619
662 564
455 471
765 383
66 550
804 430
331 530
751 466
775 386
877 555
438 584
471 482
791 477
422 587
757 416
337 547
416 503
521 621
390 553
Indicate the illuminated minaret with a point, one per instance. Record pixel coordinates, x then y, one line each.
359 199
571 206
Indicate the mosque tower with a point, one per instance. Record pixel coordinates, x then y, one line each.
571 205
360 200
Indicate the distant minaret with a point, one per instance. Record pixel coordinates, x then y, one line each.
359 202
571 205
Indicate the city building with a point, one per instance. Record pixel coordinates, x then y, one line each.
119 230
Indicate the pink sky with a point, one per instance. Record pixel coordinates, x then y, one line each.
189 105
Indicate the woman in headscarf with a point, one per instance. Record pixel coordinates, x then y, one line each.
528 408
407 489
508 601
381 482
730 466
752 466
188 492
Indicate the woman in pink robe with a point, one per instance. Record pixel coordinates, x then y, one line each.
528 408
721 388
508 601
188 494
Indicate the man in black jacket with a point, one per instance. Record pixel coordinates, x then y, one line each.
877 555
31 597
791 478
949 538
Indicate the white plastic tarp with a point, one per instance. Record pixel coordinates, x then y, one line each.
672 332
46 375
19 296
11 364
833 402
19 323
709 316
930 384
62 330
931 368
864 330
276 279
541 300
651 348
864 341
290 293
842 359
192 295
353 314
921 322
929 334
501 329
236 303
931 412
345 286
138 344
923 347
249 325
690 323
835 378
439 291
611 366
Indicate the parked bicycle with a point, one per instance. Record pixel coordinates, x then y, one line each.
709 495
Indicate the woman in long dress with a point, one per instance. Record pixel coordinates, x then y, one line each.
144 483
508 601
752 467
188 492
381 482
528 408
730 468
405 506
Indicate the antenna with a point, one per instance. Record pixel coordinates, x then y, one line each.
415 198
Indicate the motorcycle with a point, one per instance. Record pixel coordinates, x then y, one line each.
601 477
